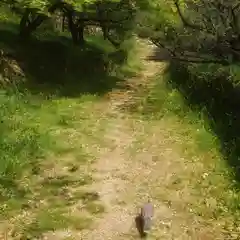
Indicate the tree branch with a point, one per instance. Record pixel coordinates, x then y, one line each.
235 24
180 59
184 20
183 56
187 23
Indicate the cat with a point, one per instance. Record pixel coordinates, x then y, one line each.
144 219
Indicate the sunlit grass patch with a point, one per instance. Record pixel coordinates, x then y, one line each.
44 165
52 220
197 179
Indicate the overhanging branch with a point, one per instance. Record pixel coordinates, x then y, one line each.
184 56
187 23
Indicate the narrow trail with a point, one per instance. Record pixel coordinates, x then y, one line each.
125 181
113 169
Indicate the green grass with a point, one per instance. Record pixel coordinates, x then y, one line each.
42 160
207 182
50 220
52 122
51 126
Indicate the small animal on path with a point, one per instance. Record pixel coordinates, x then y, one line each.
144 219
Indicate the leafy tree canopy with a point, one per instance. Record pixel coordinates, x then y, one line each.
205 31
114 17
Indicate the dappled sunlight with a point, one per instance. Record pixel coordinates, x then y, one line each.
96 121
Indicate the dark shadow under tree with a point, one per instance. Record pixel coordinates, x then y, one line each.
55 67
213 93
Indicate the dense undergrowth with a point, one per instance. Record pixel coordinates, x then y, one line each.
48 127
202 102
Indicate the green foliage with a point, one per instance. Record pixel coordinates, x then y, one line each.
115 18
209 90
198 108
21 145
155 17
29 114
41 6
205 31
48 121
52 220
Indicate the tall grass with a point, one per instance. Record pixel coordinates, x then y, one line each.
202 107
21 144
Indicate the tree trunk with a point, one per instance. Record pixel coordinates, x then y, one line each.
27 26
80 29
77 30
24 22
105 31
27 29
63 22
72 27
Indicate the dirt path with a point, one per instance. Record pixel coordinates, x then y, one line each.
114 171
127 176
